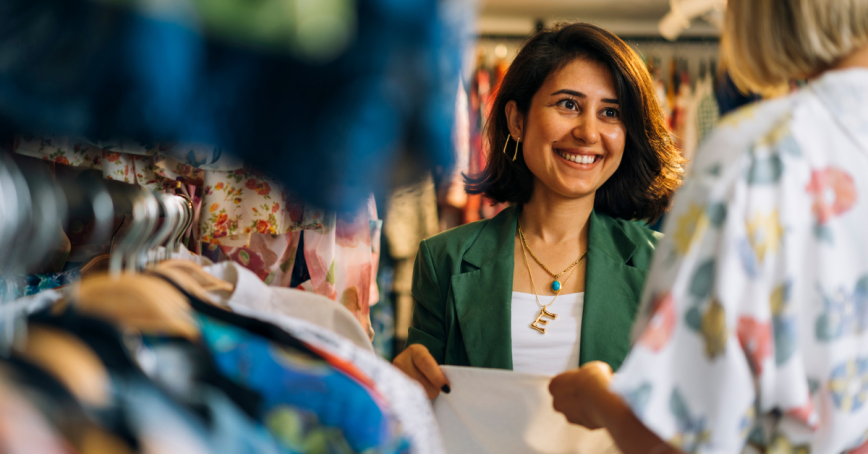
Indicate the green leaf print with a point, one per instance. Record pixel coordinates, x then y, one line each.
703 280
245 257
716 214
765 170
330 277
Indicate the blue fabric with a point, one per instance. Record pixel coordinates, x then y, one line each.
329 130
309 406
13 287
233 432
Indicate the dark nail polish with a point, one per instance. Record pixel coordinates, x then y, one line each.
446 389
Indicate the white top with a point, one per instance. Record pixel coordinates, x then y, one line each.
555 351
754 321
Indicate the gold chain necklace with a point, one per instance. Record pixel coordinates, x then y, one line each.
543 307
556 284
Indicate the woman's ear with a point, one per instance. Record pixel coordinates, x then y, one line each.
515 120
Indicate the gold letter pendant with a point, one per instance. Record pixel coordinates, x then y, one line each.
539 321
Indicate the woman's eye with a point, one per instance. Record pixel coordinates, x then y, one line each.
569 104
611 113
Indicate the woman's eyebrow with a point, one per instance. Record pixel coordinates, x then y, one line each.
579 94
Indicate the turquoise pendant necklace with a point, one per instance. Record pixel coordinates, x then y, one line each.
556 283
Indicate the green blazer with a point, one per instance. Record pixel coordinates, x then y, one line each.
462 284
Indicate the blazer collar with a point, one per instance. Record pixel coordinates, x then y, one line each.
607 236
495 241
612 291
483 293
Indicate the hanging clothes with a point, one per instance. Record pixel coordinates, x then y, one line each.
274 393
13 287
411 218
342 260
328 413
251 293
406 398
25 429
700 116
251 218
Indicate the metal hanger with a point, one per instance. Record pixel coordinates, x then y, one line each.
10 212
187 206
169 208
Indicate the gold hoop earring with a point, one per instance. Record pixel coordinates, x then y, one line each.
507 143
517 141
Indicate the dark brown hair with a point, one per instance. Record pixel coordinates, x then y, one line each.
651 168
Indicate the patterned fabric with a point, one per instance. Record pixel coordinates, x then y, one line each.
14 287
308 404
242 202
150 166
342 260
405 396
754 323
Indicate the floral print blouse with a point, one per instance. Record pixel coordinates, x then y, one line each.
753 329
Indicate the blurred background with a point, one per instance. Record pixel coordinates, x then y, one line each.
278 159
318 141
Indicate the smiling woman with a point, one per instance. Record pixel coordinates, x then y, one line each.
549 72
580 151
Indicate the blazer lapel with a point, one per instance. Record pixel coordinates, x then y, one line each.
483 293
612 290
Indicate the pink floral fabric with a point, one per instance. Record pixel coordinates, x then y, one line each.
271 257
243 202
342 260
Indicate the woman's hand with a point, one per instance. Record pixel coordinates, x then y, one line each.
417 362
581 394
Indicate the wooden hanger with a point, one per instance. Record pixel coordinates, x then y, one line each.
185 282
144 303
207 281
69 360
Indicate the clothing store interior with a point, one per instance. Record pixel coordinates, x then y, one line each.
318 226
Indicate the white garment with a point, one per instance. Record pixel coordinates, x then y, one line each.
250 292
491 411
555 351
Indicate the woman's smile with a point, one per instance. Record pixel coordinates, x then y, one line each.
581 160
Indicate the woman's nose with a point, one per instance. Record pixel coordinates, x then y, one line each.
586 130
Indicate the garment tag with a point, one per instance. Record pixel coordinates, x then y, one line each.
498 412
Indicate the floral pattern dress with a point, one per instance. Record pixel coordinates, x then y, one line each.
753 329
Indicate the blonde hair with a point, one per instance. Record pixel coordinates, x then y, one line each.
768 42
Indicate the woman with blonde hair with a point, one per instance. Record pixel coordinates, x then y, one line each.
753 330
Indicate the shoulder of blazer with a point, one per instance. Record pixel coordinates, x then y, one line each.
644 238
452 245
